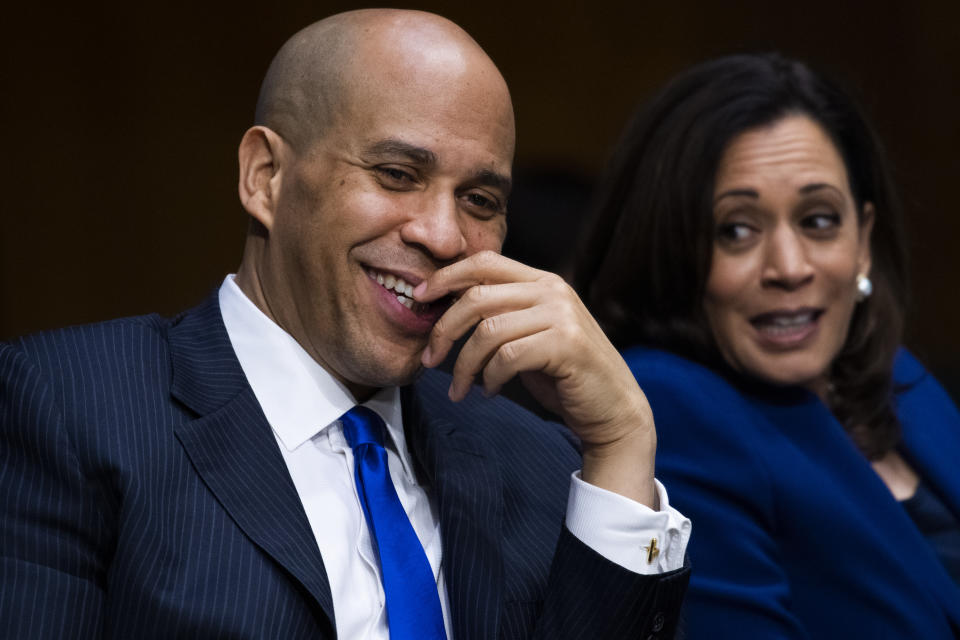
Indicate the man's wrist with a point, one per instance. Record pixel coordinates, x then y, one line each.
624 467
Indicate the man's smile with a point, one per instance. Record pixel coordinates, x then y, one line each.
414 316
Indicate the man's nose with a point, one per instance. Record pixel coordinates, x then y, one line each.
436 227
786 260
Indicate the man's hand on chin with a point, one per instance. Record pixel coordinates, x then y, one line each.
530 322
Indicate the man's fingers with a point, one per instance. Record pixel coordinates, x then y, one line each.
529 353
485 267
477 302
490 336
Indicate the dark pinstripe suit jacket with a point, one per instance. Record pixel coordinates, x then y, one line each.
143 495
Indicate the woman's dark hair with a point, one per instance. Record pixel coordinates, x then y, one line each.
644 266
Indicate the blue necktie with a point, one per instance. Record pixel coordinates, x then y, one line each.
413 604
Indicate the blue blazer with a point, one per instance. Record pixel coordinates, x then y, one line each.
794 534
143 495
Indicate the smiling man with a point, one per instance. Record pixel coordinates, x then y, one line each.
273 463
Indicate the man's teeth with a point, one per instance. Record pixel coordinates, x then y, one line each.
403 289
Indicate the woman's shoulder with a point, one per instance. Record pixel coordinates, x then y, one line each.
907 369
735 419
668 375
664 367
687 396
911 376
919 396
712 439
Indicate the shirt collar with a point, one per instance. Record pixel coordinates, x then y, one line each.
298 396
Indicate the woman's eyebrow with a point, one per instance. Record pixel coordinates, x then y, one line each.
750 193
817 186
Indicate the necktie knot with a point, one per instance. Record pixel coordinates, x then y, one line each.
362 425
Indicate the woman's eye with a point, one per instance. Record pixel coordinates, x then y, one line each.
733 232
821 221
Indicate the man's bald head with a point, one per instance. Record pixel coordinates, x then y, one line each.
383 147
315 75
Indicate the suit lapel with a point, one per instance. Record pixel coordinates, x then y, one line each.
931 437
233 450
827 443
463 477
931 427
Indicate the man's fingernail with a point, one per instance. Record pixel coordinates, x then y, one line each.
427 356
458 392
489 392
419 289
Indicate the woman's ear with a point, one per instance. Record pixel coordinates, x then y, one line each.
260 166
865 228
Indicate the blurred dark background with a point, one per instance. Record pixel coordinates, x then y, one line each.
121 123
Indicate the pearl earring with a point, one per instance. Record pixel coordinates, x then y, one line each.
864 287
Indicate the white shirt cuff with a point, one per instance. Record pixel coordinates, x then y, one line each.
627 532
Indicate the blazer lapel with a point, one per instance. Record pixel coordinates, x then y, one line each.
233 450
463 477
931 437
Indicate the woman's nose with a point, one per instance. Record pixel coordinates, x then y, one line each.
787 264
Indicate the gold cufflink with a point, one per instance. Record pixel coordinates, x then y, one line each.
652 551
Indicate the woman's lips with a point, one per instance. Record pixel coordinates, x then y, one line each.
786 328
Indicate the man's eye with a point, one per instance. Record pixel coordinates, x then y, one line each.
395 175
482 201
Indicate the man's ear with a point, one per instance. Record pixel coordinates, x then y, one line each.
864 230
260 165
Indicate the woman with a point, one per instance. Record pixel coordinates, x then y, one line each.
747 253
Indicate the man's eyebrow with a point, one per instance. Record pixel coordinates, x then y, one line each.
394 147
489 178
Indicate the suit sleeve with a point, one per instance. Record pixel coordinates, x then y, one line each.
591 597
52 565
715 465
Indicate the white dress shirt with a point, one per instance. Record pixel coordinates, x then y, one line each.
303 403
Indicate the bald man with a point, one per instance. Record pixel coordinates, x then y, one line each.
229 472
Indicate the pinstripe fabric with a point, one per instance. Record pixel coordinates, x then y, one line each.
512 569
143 496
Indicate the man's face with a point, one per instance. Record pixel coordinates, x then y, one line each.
412 175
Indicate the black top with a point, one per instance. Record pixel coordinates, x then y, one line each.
938 525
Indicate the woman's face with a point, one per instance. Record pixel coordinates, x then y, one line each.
787 250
